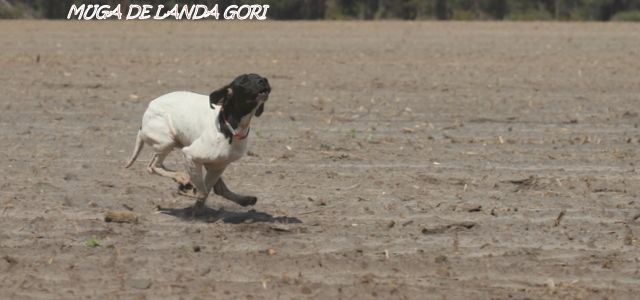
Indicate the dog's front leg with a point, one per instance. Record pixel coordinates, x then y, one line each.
195 173
221 189
213 175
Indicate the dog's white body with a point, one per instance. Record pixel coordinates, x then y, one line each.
186 120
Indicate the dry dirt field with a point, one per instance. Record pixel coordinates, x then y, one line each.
422 160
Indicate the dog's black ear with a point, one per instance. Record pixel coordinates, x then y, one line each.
260 110
218 95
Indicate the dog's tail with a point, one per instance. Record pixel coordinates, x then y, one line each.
136 150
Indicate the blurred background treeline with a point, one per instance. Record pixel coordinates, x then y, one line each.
566 10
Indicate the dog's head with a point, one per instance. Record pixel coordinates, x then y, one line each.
243 96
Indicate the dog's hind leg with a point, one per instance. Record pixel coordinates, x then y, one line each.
156 166
185 187
220 188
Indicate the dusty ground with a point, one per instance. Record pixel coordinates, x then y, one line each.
437 160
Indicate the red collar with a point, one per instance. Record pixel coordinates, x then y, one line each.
239 136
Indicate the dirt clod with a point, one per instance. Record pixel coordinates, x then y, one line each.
10 260
120 217
556 223
141 284
468 207
444 228
391 224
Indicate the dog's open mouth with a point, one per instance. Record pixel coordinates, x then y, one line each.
262 96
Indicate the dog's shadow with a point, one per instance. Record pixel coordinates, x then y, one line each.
211 215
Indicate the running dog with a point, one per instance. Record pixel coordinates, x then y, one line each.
212 132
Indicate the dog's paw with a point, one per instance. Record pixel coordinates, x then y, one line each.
187 190
247 201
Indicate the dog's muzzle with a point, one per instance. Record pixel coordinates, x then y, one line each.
263 96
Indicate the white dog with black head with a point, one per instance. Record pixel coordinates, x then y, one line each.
212 132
